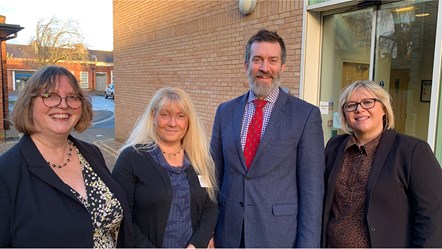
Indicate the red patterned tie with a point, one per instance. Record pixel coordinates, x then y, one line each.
254 132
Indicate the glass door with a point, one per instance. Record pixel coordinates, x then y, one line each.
392 44
404 55
345 58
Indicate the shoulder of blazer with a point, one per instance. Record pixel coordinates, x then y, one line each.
10 162
289 103
336 141
392 139
391 135
24 152
135 156
135 152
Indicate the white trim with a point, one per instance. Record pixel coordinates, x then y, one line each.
310 57
436 79
374 27
329 5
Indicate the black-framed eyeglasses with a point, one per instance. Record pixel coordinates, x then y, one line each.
365 103
54 100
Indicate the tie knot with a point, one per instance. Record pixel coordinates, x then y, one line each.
259 103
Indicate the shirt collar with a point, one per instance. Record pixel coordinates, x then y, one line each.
368 148
272 97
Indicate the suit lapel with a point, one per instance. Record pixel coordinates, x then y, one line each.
40 168
333 172
385 144
238 114
277 116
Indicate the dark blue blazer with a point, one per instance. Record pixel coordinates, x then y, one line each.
37 209
280 197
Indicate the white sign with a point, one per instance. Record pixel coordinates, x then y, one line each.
323 107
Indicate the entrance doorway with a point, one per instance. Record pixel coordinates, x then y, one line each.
391 44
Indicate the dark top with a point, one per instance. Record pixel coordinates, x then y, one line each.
347 227
179 226
404 192
37 209
149 191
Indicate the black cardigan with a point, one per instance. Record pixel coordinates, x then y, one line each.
404 192
149 193
38 210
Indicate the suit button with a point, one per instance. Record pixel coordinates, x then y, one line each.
241 204
248 178
372 228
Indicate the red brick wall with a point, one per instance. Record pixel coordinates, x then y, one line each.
194 44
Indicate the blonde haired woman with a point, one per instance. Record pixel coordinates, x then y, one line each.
168 175
383 188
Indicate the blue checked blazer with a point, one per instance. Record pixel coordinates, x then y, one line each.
280 197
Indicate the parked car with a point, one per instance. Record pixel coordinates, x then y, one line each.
109 91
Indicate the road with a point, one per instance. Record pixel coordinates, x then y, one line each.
103 121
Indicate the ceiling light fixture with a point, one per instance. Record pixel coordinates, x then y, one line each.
422 14
403 9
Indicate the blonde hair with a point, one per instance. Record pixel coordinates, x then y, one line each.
373 88
195 141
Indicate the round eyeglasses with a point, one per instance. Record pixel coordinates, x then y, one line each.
365 103
54 100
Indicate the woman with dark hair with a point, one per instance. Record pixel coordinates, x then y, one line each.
56 190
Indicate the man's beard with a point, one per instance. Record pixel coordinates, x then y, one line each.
263 90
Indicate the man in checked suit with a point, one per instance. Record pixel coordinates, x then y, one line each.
275 200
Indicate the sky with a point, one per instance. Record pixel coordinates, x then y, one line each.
93 16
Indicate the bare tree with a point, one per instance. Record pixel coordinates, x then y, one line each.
56 41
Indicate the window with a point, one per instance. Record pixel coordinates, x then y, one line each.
84 80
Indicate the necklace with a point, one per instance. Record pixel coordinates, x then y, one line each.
174 154
53 165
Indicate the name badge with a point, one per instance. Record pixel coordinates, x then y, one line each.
203 183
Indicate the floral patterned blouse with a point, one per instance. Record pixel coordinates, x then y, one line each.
105 209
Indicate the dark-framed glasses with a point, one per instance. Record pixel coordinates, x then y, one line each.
54 100
365 103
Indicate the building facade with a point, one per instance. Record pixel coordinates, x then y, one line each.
199 46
